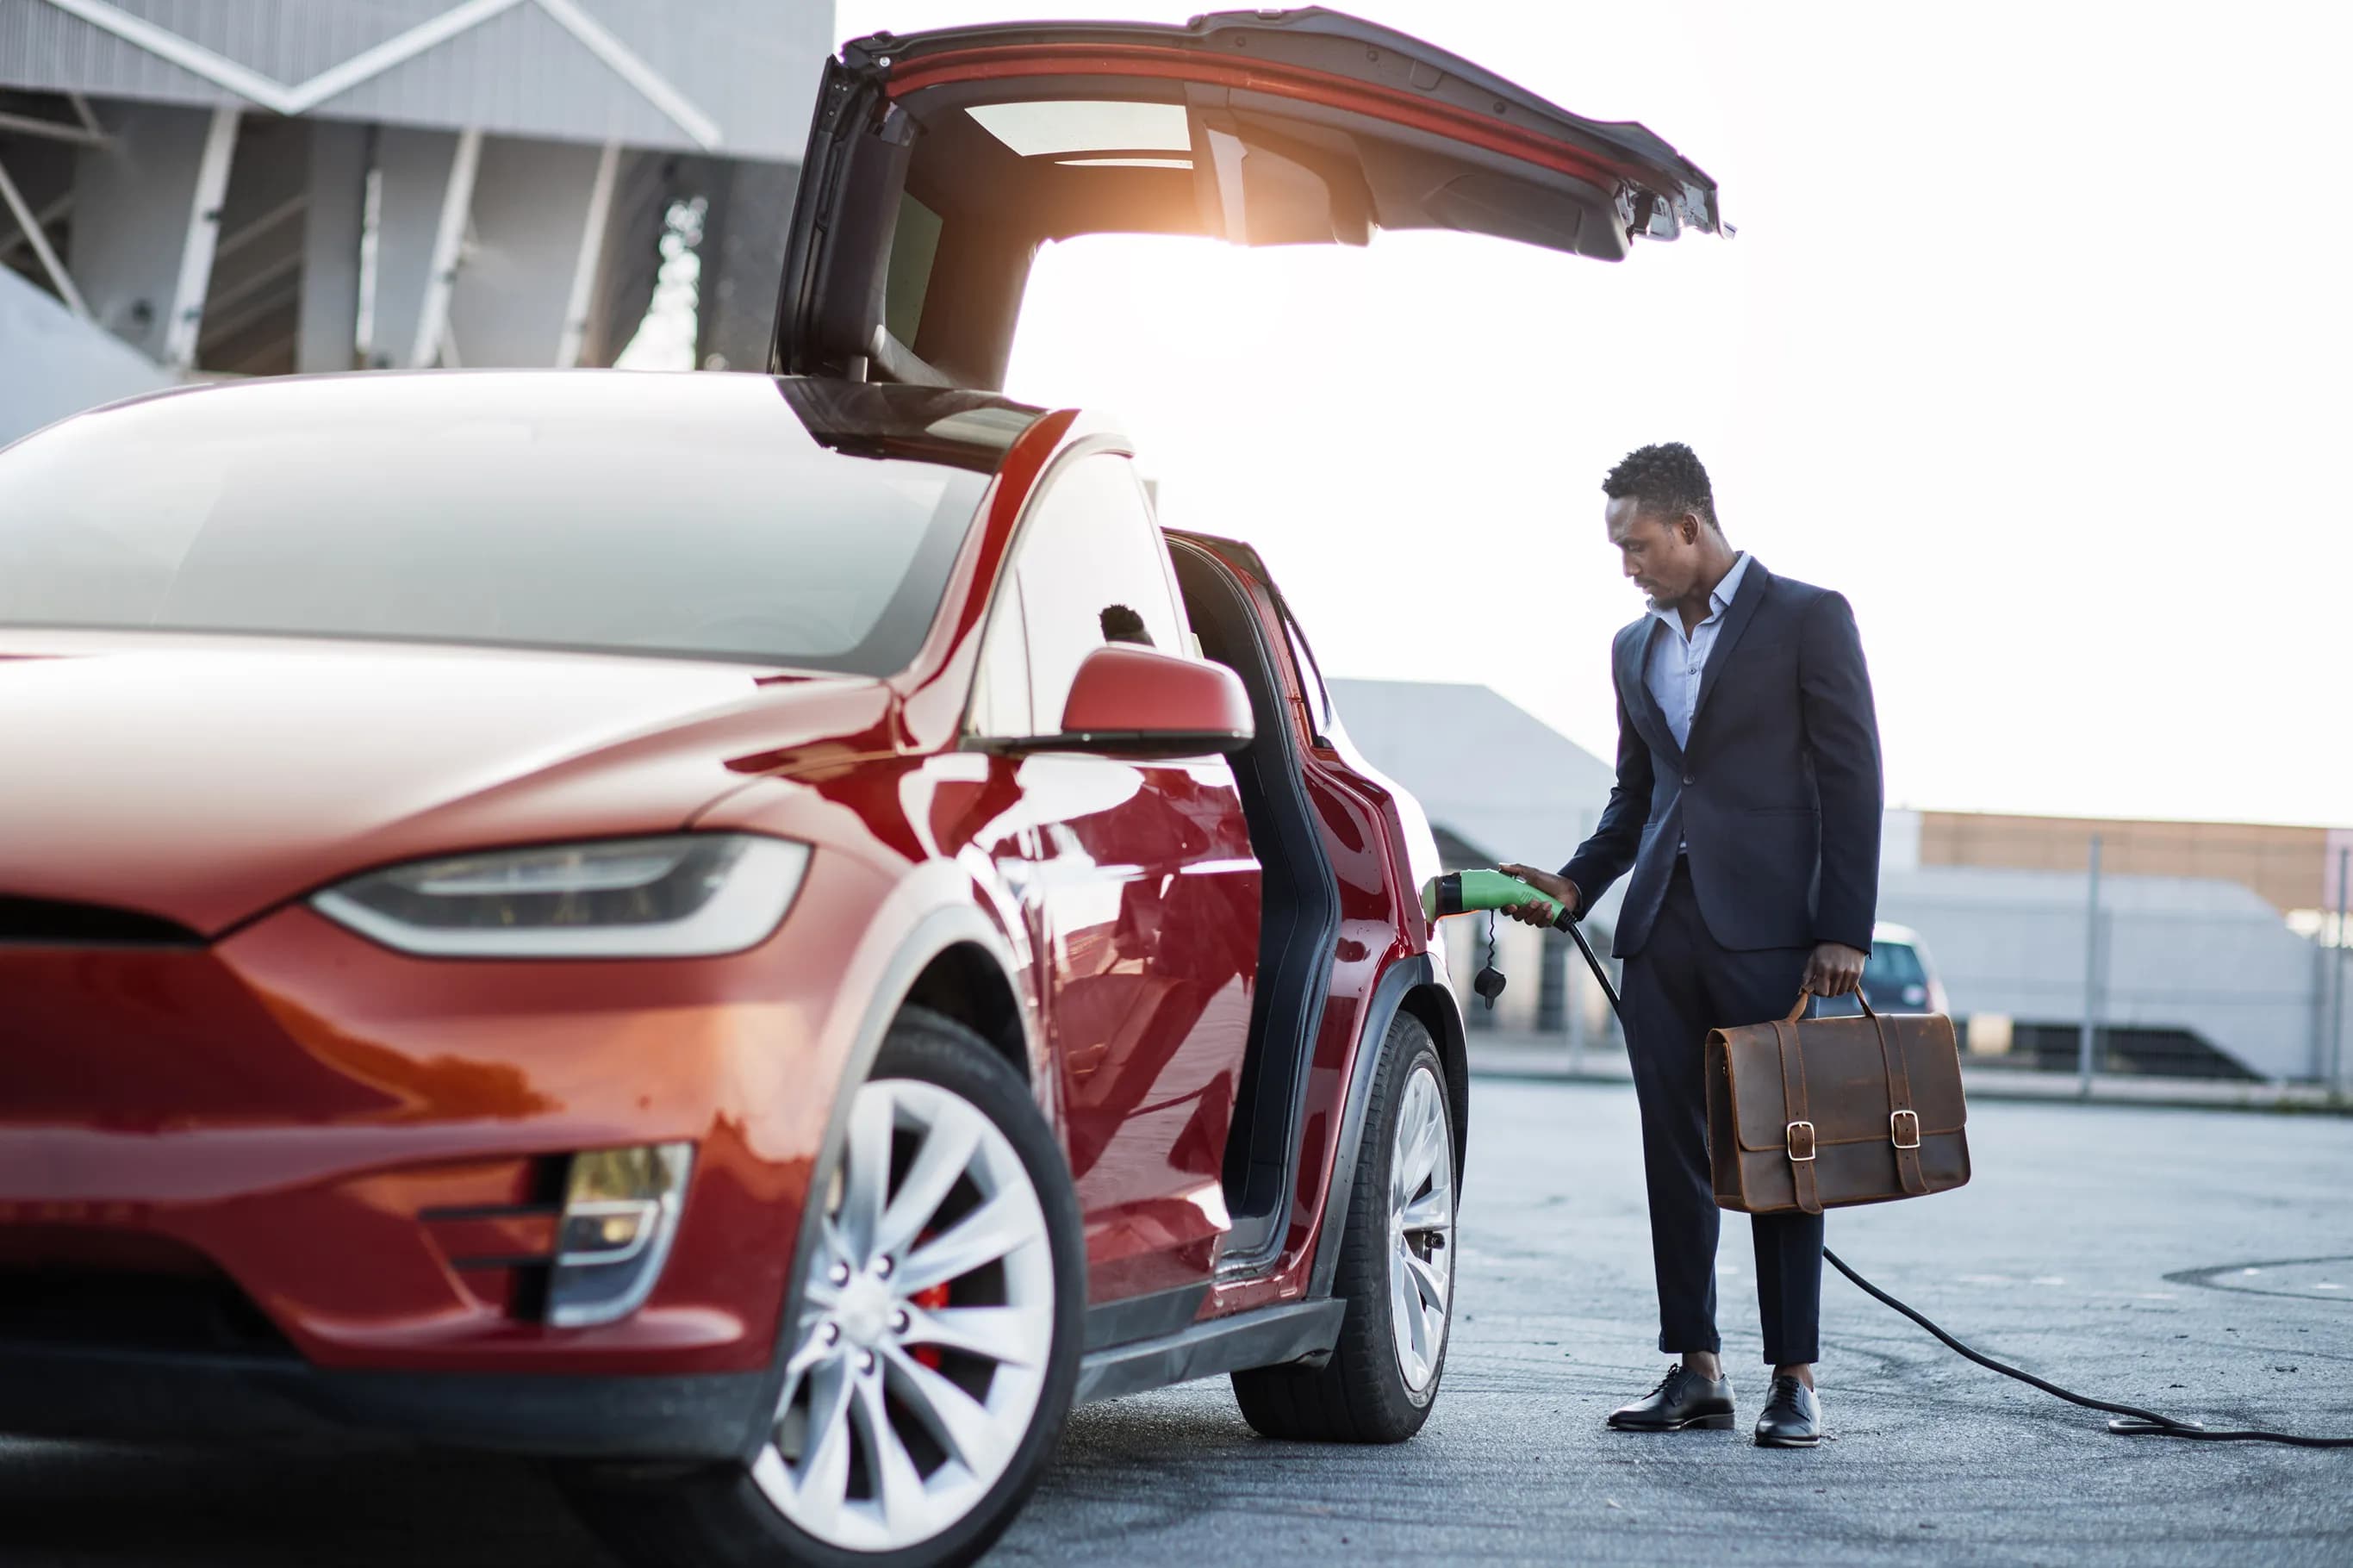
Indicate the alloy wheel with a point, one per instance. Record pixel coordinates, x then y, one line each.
927 1318
1421 1228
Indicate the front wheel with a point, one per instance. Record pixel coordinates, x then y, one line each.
938 1317
1396 1272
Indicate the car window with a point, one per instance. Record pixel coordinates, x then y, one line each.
1895 965
914 248
1311 677
1089 568
1893 977
1000 701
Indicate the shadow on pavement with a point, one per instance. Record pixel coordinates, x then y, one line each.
93 1505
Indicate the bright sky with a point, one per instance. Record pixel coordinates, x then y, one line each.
2032 341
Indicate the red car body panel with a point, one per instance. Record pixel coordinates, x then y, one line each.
300 763
290 1102
357 1136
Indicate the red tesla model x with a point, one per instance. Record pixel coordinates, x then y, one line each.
757 935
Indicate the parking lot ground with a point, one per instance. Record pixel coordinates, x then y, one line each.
2108 1248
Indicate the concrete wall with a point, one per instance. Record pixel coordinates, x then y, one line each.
57 365
530 200
328 311
132 201
2204 955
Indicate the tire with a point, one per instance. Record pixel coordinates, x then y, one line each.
1380 1382
816 1495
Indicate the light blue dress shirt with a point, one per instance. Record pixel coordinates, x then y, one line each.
1677 661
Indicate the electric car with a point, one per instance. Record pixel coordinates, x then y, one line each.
757 936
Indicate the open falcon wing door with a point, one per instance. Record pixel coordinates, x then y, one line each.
939 163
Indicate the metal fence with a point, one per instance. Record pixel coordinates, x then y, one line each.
2088 972
2161 973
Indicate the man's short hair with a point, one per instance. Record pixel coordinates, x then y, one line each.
1121 623
1667 479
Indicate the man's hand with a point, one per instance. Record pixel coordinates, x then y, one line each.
1544 883
1835 970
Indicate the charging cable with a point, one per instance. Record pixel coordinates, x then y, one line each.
2129 1420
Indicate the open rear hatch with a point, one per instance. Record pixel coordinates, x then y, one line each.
940 161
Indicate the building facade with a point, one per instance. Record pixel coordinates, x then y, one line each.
2292 869
249 188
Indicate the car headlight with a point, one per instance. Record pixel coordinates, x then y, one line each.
686 895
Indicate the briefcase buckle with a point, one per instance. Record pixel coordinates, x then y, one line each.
1795 1128
1901 1123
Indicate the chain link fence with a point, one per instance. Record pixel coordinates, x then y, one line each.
2178 958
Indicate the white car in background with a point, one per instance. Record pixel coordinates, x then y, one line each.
1900 977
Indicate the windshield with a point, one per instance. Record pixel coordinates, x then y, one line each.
684 515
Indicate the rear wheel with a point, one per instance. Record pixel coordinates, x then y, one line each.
1396 1271
938 1320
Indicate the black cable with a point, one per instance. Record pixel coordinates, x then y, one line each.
2131 1421
2141 1422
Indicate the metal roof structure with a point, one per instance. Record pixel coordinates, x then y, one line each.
250 187
727 75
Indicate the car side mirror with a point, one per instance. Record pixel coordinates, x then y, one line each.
1132 701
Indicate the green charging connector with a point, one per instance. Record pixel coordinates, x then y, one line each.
1464 893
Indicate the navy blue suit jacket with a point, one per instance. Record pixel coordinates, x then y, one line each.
1779 793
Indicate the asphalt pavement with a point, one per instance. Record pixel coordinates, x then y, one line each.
2200 1261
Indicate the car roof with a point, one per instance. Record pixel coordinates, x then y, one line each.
1887 932
952 427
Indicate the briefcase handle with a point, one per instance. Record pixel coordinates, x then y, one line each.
1805 994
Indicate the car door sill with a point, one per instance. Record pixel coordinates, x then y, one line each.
1110 1324
1270 1336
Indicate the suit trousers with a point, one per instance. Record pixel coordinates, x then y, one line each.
1680 985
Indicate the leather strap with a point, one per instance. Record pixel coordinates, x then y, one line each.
1899 1107
1795 1110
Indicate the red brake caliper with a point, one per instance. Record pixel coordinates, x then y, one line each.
931 1301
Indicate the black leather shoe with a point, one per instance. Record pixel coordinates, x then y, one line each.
1792 1417
1683 1400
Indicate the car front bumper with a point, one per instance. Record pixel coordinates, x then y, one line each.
361 1153
80 1393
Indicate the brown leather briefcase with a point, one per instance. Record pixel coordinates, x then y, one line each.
1816 1113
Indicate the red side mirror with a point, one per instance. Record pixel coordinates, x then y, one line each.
1131 701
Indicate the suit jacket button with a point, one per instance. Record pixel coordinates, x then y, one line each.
1690 779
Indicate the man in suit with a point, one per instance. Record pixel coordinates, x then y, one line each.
1747 805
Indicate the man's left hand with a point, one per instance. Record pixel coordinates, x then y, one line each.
1835 970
